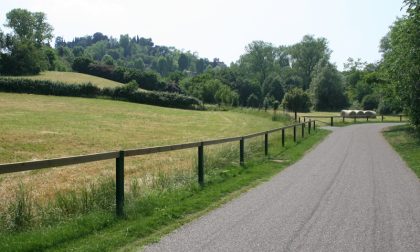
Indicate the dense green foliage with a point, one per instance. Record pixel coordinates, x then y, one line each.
327 87
25 50
259 78
297 100
129 92
148 80
401 63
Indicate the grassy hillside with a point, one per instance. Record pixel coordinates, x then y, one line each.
71 78
68 207
37 127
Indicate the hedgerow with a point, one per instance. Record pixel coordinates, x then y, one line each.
125 92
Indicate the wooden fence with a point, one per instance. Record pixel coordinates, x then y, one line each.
119 157
367 117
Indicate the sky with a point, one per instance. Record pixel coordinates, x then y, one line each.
222 28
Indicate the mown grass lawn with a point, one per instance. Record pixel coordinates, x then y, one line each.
71 78
407 143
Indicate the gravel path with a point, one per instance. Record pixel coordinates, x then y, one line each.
351 193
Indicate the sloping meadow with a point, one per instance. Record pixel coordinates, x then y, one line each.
41 127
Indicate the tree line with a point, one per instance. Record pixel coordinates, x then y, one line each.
299 76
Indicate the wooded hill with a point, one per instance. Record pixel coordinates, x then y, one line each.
259 78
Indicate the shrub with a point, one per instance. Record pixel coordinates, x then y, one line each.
81 64
153 98
297 100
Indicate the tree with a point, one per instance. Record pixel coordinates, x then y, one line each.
245 88
327 87
224 95
29 26
162 66
401 61
266 103
125 44
253 101
306 55
370 102
107 60
276 105
297 100
183 62
2 40
24 50
24 59
139 64
42 30
273 86
258 61
81 64
200 65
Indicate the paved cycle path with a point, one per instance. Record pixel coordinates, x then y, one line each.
351 193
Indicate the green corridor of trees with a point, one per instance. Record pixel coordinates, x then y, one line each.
261 77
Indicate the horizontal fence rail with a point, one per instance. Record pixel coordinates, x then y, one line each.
57 162
120 156
354 117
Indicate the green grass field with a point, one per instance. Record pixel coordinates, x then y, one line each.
38 127
407 143
152 214
71 78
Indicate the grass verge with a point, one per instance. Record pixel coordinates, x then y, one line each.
156 212
407 143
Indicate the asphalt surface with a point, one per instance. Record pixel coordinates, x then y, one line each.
351 193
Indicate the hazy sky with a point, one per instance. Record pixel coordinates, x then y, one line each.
222 28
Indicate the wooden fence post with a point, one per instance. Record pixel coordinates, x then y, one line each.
314 125
201 164
309 127
241 151
382 118
119 184
332 121
266 144
294 133
282 137
303 130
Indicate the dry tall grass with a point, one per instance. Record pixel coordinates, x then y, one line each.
41 127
